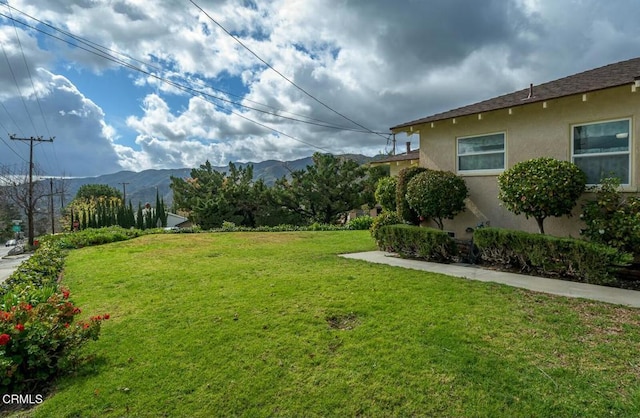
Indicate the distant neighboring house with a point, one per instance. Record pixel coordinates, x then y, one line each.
591 118
400 161
174 220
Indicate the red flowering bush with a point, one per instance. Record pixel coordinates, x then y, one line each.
39 334
39 341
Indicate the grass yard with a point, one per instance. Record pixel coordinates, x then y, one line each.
275 324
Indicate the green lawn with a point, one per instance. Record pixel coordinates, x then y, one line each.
275 324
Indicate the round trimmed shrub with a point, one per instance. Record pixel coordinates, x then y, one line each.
402 206
612 218
386 193
437 195
541 187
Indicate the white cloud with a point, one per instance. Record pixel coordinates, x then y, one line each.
380 63
83 141
14 74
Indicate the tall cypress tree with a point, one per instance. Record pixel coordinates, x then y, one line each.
139 217
160 214
111 214
131 216
164 215
123 216
94 219
149 216
100 222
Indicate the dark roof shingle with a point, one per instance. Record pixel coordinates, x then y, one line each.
411 155
612 75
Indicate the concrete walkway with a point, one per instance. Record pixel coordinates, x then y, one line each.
539 284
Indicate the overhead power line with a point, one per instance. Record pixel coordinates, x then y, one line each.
33 86
10 117
282 75
12 150
108 54
176 85
26 65
15 81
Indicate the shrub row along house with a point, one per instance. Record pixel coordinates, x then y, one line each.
590 118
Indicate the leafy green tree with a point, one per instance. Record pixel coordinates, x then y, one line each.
112 216
322 193
72 219
131 216
8 212
541 187
149 216
386 193
437 195
240 199
325 191
212 197
98 205
402 206
370 184
199 195
97 215
272 212
612 218
94 191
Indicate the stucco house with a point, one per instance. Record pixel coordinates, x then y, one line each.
400 161
591 118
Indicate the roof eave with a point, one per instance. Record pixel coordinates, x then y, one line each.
404 127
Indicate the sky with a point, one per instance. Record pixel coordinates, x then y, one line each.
139 84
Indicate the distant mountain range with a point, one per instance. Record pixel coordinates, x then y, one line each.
141 186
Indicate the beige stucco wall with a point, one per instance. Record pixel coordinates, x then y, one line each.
396 166
531 131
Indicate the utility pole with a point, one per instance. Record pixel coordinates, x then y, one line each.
124 192
394 144
53 228
62 190
30 208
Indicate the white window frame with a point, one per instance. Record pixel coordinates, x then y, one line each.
483 172
628 152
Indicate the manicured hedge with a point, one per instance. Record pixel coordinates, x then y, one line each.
41 269
545 255
384 219
96 236
416 242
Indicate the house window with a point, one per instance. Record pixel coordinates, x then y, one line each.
481 153
602 150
